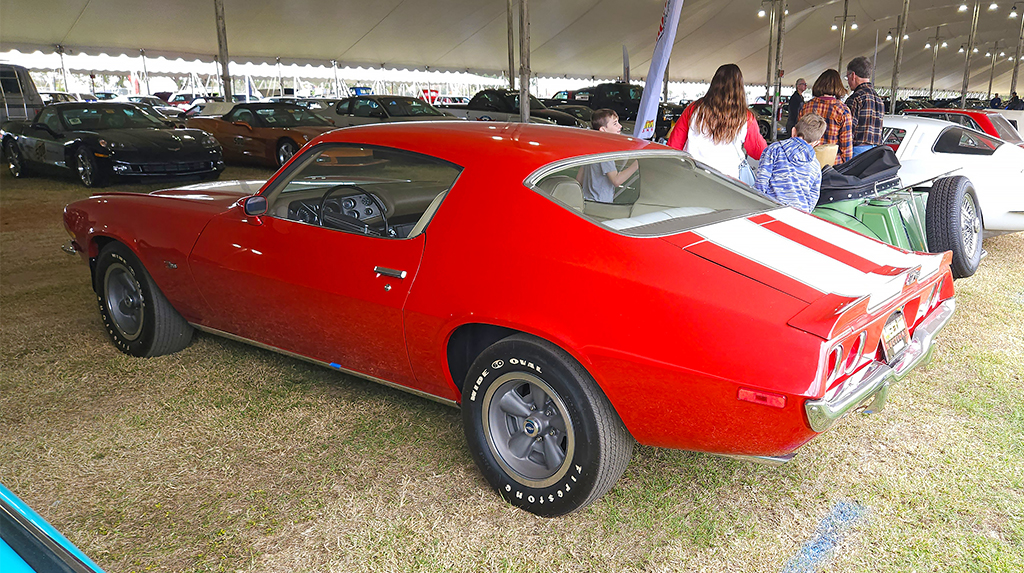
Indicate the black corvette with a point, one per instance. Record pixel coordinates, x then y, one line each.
96 141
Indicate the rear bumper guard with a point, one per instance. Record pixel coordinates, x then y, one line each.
868 389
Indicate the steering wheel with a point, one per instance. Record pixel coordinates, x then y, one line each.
342 221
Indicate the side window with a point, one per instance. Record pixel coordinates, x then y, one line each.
49 118
344 107
893 137
584 95
960 141
364 107
374 191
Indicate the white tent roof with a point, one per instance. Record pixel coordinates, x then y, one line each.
572 38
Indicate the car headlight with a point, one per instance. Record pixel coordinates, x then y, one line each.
210 141
115 145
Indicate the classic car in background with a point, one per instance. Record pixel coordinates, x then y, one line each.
362 110
990 122
28 543
763 113
564 335
264 133
96 141
503 105
625 100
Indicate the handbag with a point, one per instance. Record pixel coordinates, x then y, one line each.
746 173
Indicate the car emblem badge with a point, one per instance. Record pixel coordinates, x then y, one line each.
531 427
913 275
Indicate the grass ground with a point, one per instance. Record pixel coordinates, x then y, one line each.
224 457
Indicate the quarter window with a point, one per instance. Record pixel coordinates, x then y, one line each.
965 142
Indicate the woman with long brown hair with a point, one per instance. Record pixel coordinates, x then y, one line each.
827 90
718 129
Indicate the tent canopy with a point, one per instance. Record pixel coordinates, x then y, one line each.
571 38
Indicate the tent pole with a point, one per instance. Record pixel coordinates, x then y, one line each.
511 49
771 58
967 59
1016 59
222 44
894 96
142 53
842 34
779 36
63 68
524 61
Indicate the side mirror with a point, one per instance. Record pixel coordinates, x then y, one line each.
255 205
379 114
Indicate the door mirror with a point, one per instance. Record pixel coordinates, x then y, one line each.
255 205
379 114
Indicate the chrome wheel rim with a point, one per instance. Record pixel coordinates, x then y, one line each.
284 153
970 226
13 160
124 301
84 168
528 429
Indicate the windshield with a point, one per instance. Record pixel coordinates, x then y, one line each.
1004 129
100 117
665 192
407 107
512 99
288 116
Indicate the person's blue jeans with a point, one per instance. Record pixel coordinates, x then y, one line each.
858 149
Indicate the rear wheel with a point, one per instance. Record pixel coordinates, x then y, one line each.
138 317
953 222
15 162
765 128
285 149
539 428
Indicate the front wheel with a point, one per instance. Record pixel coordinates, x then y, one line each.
285 149
139 319
90 172
539 428
953 223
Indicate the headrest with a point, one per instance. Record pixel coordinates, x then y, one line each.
564 189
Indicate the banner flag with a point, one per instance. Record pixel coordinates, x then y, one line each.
662 50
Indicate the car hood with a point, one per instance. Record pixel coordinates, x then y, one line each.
216 194
156 139
809 258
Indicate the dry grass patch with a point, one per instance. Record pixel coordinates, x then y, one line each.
224 457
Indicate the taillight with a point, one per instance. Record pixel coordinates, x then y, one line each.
835 361
853 358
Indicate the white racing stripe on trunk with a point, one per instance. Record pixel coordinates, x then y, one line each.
854 242
799 262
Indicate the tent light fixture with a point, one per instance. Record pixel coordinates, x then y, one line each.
928 45
961 50
975 50
853 26
906 36
993 6
944 45
888 36
835 27
1013 11
760 13
962 8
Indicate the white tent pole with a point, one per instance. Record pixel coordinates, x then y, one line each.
780 35
63 68
1016 59
967 59
524 61
222 44
842 34
771 58
511 49
899 56
145 73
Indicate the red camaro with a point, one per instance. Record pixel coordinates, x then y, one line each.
985 121
467 263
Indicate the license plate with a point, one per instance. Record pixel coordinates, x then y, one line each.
895 337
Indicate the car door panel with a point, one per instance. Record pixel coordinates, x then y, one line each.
310 290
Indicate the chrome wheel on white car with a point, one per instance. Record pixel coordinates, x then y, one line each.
953 221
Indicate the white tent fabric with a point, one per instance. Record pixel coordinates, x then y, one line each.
569 38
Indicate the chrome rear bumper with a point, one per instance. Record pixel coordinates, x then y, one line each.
869 388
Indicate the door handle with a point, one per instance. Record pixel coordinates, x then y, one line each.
389 272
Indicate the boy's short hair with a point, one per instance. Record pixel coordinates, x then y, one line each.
860 66
811 127
601 117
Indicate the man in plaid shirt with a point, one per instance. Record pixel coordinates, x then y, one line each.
865 106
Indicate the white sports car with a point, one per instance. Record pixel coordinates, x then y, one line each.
928 147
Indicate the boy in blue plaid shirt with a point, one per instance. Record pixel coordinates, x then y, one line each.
789 172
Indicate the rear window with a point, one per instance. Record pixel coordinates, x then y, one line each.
1004 129
663 193
965 142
